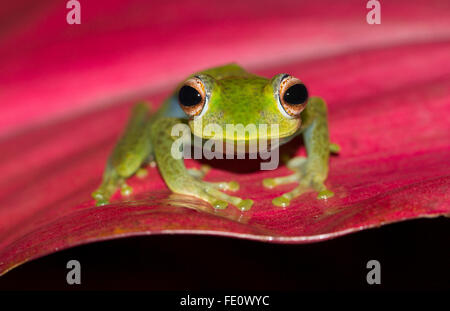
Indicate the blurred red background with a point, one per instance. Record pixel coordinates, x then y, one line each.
65 93
51 69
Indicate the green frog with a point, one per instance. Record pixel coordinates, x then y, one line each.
222 96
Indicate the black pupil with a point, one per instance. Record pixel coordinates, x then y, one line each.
296 94
189 96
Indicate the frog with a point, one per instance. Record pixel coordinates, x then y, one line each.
222 95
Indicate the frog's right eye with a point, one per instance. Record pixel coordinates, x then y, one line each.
293 96
191 96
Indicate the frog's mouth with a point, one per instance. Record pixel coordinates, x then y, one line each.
250 138
251 146
242 135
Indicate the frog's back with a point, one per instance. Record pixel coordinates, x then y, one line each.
226 71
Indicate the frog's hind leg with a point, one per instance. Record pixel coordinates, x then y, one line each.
131 151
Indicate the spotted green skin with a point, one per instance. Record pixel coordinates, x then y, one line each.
234 97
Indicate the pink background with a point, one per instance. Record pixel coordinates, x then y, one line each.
65 93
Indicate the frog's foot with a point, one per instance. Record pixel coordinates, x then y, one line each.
108 187
199 173
125 190
104 193
101 196
306 178
223 185
141 173
335 148
211 192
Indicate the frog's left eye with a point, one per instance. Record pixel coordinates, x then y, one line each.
191 96
293 96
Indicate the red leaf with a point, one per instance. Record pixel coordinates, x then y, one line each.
387 88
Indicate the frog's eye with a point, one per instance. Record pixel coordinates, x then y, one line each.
293 96
191 96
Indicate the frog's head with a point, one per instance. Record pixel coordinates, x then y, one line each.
229 95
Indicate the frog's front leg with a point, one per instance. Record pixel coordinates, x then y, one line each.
310 173
179 179
222 185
